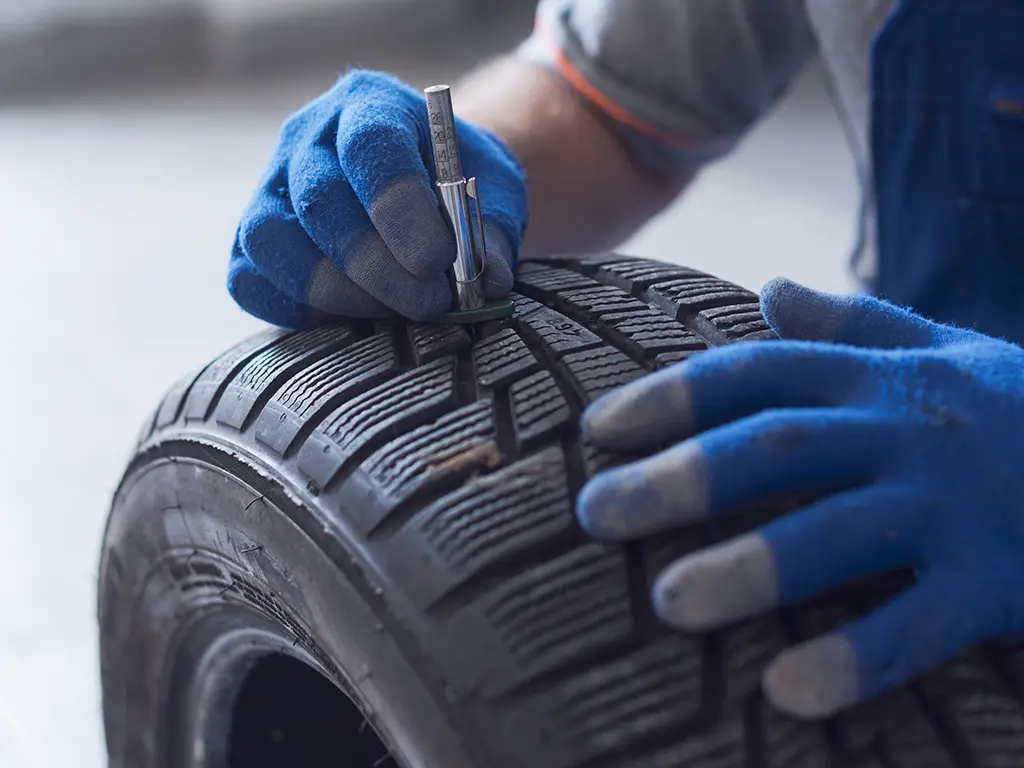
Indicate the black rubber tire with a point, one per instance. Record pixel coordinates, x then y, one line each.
392 506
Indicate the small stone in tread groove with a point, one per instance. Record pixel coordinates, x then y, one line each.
538 408
501 358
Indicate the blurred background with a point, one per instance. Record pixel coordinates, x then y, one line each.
131 135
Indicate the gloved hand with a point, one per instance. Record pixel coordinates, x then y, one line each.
911 431
346 221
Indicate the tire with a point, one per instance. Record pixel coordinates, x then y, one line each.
356 545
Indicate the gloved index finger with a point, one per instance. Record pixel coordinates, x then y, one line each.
719 386
797 312
380 146
334 218
726 469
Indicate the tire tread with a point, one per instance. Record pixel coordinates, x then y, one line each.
453 462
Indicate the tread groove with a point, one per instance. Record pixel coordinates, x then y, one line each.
944 727
756 745
504 425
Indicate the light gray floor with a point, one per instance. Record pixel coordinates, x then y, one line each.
115 223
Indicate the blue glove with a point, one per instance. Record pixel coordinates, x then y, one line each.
910 433
346 221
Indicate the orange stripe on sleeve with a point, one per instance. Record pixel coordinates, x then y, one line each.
575 78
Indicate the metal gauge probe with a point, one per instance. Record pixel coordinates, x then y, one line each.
460 201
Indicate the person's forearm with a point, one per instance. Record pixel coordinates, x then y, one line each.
585 193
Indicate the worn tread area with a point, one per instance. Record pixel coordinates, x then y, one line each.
452 460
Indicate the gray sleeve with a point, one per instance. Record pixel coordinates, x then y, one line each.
680 80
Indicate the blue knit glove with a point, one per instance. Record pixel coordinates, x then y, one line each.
912 433
346 221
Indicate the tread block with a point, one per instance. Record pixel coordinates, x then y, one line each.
387 409
148 427
907 736
574 605
539 409
656 689
894 726
589 263
594 372
502 358
629 321
738 322
685 297
554 609
325 384
634 275
746 650
271 368
987 719
649 336
602 299
723 745
453 447
430 342
523 304
556 331
491 519
211 382
671 358
597 460
171 405
790 743
663 550
549 281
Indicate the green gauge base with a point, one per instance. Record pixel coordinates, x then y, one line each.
496 310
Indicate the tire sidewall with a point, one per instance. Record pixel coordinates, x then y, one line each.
172 516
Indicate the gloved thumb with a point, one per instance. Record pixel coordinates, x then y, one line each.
797 312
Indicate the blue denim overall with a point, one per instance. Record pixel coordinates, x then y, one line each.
947 140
